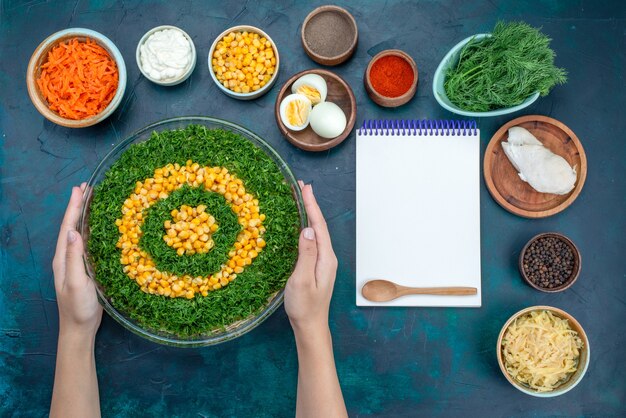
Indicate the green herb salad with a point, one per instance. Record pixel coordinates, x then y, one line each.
253 250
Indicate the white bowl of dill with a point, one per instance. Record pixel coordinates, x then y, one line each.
498 73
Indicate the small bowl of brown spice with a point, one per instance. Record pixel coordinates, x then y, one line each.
329 35
550 262
391 78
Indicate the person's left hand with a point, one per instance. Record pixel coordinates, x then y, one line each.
310 287
79 311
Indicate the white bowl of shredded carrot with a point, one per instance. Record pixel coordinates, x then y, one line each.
76 77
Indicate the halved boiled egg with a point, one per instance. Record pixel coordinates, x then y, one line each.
312 86
295 110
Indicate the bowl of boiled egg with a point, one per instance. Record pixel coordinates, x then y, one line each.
315 110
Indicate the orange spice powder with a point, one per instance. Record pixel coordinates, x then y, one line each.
391 76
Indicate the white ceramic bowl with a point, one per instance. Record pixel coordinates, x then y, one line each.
583 362
254 94
452 58
39 57
173 81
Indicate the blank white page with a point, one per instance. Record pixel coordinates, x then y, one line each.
418 215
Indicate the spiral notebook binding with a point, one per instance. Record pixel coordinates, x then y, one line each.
419 127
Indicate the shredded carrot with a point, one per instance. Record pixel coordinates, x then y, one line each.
79 79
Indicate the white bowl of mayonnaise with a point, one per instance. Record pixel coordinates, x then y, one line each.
166 55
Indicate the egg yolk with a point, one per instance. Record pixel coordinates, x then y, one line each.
297 112
311 93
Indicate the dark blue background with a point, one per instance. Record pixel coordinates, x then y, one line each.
391 362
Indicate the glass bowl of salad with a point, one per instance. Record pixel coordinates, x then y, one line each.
191 299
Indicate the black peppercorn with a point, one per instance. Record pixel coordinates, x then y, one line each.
549 262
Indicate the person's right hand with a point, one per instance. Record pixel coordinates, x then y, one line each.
79 311
310 287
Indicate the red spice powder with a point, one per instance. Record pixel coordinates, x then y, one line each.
391 76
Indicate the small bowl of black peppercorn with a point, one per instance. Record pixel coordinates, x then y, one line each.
550 262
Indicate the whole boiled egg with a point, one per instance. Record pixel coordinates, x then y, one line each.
327 120
295 111
312 86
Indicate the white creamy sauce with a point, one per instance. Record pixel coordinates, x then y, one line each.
166 55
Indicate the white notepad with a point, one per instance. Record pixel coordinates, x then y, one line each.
418 208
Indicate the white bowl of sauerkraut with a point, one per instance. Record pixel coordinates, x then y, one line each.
543 351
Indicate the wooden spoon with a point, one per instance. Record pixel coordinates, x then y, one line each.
384 291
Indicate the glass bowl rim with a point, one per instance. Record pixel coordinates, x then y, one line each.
244 325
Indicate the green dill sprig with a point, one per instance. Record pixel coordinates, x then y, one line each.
504 69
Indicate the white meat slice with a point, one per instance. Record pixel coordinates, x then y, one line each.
545 171
521 136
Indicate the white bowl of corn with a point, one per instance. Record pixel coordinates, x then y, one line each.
243 62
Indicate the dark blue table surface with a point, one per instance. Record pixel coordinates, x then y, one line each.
391 362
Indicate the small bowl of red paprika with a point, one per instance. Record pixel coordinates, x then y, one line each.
391 78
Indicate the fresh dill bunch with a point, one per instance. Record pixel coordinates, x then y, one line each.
504 69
